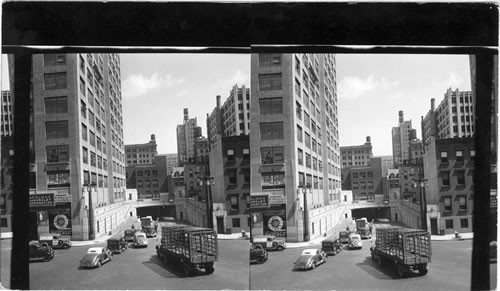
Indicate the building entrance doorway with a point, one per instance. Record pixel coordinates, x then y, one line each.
220 224
434 226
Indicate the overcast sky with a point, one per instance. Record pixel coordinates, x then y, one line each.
371 90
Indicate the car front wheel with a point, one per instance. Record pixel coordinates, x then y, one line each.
47 258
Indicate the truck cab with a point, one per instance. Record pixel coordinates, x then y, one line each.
268 242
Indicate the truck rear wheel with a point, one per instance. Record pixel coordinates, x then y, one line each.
187 269
422 269
209 268
401 271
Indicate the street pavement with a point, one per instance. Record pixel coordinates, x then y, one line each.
355 270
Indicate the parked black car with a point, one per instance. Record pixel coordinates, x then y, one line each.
331 246
258 255
344 237
38 251
128 235
117 244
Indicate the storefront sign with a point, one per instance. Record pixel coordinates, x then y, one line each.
41 200
277 199
62 197
259 201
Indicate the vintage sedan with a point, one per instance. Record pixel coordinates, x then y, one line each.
117 244
258 255
38 251
128 235
355 241
309 259
344 237
140 240
95 257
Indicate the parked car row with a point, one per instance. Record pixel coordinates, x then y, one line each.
97 256
309 258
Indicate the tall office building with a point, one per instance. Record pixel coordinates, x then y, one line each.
77 175
294 145
401 136
453 118
233 117
7 110
236 112
187 133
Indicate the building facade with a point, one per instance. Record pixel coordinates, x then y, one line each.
401 136
233 117
139 154
230 167
236 112
387 164
7 110
449 170
187 133
355 156
172 162
453 118
366 181
295 145
78 168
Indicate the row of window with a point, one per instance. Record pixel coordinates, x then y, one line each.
233 177
362 185
462 203
147 183
464 223
245 152
460 177
147 173
459 156
362 175
234 200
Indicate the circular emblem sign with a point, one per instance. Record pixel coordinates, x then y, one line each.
275 223
61 221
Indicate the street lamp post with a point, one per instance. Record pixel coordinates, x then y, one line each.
91 210
306 211
208 181
421 183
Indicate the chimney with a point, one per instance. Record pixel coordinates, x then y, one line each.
368 139
186 114
152 137
218 101
432 105
401 119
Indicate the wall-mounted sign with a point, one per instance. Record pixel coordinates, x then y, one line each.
277 199
62 197
259 201
41 200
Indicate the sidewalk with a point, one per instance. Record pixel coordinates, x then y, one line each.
119 229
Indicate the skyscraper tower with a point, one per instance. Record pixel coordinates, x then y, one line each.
401 140
7 110
295 152
187 133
